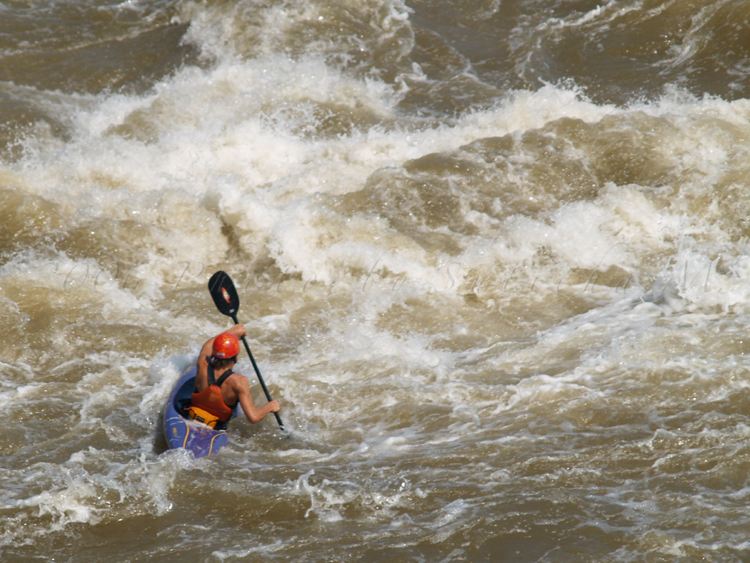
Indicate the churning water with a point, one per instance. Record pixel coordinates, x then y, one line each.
492 257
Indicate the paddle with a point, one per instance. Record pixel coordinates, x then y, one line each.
227 302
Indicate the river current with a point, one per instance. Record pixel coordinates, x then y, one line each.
492 257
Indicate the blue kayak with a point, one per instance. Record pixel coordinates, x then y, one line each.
180 431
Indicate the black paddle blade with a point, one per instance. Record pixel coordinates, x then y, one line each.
224 295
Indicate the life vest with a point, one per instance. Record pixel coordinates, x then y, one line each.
208 406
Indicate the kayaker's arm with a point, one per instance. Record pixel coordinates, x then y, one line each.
253 413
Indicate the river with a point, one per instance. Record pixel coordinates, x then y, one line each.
492 258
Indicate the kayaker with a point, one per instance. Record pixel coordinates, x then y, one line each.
218 389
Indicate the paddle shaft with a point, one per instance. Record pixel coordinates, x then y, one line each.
257 372
222 290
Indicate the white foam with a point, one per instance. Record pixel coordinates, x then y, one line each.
368 329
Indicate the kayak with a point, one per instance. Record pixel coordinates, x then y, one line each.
180 431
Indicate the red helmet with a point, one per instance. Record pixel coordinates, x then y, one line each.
226 346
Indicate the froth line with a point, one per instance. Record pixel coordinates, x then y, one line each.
187 273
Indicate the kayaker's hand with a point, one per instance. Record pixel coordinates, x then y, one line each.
274 406
238 330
